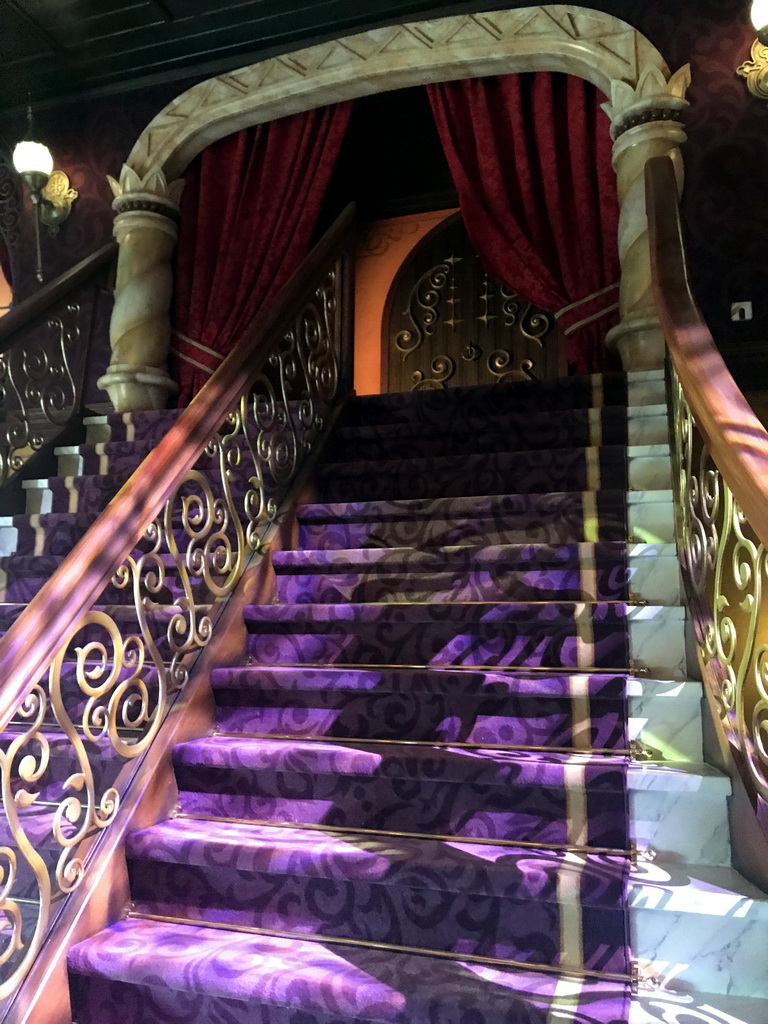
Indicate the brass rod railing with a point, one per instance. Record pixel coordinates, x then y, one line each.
720 453
92 684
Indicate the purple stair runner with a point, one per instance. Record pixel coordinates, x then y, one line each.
433 710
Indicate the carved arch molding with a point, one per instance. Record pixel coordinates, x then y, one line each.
576 40
644 107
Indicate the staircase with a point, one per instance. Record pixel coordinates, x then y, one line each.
461 777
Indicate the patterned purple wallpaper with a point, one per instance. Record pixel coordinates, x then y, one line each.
725 201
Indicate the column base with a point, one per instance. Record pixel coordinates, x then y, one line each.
137 388
640 343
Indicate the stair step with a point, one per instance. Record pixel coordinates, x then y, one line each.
130 426
193 974
550 635
553 518
645 387
425 893
118 457
668 1003
576 722
491 794
536 572
689 915
643 467
680 811
509 431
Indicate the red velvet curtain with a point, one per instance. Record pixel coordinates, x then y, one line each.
248 211
531 158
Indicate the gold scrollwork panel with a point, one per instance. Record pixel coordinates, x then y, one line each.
74 739
725 569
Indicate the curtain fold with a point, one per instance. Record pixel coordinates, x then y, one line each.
531 159
248 212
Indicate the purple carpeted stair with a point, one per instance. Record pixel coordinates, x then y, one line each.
413 808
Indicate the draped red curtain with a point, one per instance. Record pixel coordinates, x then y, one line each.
248 211
531 158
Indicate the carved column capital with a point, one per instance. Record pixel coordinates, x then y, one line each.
146 228
653 100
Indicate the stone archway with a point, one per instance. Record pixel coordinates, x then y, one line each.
644 107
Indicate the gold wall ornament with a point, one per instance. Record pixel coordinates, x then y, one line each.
755 71
57 198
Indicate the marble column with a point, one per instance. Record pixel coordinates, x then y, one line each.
645 122
146 228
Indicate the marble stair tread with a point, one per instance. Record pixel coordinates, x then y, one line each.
252 973
696 889
707 923
676 1003
452 866
694 778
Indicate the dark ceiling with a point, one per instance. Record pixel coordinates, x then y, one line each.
58 49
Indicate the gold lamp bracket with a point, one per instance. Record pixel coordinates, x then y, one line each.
56 200
756 70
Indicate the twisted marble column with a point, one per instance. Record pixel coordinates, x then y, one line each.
146 228
645 122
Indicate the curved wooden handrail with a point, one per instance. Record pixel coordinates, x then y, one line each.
32 642
735 437
38 304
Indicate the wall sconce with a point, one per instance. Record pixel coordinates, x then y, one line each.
756 70
49 190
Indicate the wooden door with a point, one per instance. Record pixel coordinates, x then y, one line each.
448 324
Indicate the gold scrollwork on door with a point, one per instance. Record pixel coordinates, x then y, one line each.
450 324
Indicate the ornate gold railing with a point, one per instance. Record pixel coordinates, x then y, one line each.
721 484
45 344
86 688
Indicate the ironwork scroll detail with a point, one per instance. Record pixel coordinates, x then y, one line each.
450 324
75 739
725 571
38 389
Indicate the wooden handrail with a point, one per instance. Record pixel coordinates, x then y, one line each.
38 304
32 642
735 437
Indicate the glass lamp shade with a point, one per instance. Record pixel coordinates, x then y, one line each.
32 158
759 14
